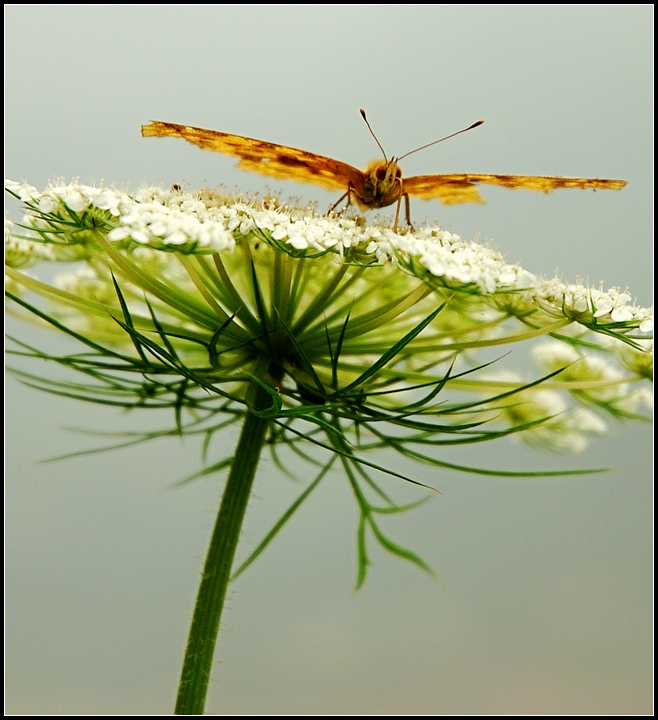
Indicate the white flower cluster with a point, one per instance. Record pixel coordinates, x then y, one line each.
560 428
596 380
206 221
75 196
467 263
576 299
550 421
22 251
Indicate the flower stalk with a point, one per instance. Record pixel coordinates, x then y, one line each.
204 629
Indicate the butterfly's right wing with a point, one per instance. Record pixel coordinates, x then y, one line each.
277 161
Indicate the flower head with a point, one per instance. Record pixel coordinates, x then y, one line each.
231 285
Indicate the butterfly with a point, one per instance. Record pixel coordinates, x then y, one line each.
381 183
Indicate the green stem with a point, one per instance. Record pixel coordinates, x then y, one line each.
204 629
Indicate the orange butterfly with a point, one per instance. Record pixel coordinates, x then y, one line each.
381 184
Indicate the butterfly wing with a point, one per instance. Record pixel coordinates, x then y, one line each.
462 187
277 161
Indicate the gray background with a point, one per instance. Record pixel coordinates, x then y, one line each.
542 601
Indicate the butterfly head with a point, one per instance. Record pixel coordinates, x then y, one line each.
386 173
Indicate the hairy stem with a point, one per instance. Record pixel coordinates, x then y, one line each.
197 665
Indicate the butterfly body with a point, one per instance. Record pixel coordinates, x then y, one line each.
381 184
378 186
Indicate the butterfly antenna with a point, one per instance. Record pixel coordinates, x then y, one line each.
363 115
422 147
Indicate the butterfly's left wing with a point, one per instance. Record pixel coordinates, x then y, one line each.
462 187
277 161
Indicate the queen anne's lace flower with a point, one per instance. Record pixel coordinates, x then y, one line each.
244 281
321 337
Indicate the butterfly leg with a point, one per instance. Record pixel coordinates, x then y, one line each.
348 195
407 211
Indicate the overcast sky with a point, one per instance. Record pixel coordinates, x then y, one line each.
543 602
